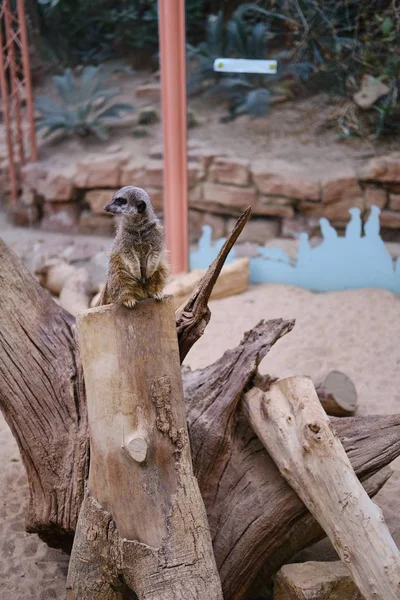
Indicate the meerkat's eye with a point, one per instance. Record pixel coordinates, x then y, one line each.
141 207
120 201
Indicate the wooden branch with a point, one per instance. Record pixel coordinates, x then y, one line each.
140 465
292 425
337 395
192 318
40 388
253 514
308 532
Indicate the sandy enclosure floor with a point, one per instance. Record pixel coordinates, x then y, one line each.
354 331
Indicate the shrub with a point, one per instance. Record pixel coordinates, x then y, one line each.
85 106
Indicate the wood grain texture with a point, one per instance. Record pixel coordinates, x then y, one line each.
41 394
257 521
161 547
193 316
297 433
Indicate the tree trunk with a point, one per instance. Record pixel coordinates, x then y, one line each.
256 519
141 486
293 427
42 399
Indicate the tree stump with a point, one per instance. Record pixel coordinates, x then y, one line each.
143 525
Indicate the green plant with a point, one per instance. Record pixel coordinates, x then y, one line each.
107 28
85 106
244 93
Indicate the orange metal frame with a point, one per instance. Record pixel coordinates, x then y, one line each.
173 97
15 74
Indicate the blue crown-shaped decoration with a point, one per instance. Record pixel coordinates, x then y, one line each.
356 260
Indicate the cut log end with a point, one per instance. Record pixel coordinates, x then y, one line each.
338 395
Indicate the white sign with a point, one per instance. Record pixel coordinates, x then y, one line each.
245 65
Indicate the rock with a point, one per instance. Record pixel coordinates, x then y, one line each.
157 152
292 228
374 195
315 581
97 200
157 198
195 173
394 202
23 215
96 224
60 217
76 292
148 116
114 148
193 119
32 173
382 168
257 231
149 91
278 178
205 156
230 170
79 252
101 171
229 195
340 186
199 218
370 91
55 184
56 273
133 173
390 219
196 194
154 173
338 211
267 206
98 268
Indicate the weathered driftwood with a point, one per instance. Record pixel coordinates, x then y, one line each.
233 279
256 519
337 394
292 425
193 317
42 398
140 465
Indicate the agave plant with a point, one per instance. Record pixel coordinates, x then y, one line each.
244 93
85 106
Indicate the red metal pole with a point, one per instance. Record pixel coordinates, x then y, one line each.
6 117
27 76
171 15
15 100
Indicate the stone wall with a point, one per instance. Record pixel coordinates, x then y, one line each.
286 198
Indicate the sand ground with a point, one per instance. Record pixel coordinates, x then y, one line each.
353 331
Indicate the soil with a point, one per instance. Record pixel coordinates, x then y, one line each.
303 131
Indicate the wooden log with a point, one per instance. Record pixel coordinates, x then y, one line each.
141 486
256 519
192 318
297 433
337 394
233 279
42 399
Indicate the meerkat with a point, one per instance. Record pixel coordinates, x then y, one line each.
138 266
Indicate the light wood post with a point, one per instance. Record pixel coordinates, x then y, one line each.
143 525
292 425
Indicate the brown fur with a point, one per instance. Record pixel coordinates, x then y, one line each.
138 266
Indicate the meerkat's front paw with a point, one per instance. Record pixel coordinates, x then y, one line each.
129 303
159 296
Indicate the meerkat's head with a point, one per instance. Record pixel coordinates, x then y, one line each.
130 201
